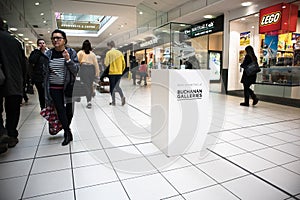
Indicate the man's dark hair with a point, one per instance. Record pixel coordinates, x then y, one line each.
38 40
62 33
111 44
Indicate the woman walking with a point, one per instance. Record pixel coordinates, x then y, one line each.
60 74
89 69
248 80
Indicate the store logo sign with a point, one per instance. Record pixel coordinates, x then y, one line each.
269 19
189 94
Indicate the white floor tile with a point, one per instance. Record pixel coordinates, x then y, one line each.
250 187
92 175
15 169
215 192
293 166
15 154
148 149
221 170
68 195
104 191
225 149
282 178
52 150
275 156
268 140
85 145
148 188
195 178
12 188
89 158
116 141
45 183
248 145
123 153
285 136
164 163
201 157
133 168
289 148
251 162
52 163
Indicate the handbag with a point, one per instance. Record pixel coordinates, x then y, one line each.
2 76
79 89
49 113
252 69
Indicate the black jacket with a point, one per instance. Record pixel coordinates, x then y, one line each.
37 59
71 70
247 79
13 64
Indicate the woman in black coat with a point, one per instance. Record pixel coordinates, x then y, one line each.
248 80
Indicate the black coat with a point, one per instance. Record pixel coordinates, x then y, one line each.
37 60
13 64
247 79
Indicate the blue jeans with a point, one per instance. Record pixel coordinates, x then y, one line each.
114 84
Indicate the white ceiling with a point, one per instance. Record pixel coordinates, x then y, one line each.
25 16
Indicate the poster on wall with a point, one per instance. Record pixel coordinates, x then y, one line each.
214 64
245 38
285 42
296 48
242 54
270 50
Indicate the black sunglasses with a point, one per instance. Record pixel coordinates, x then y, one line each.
57 38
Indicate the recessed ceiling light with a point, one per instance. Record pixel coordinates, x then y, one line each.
30 42
37 3
246 3
13 29
208 16
21 34
140 12
256 15
4 21
252 26
110 33
44 21
243 19
25 38
42 14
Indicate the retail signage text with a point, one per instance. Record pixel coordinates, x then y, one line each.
207 27
149 42
189 94
279 18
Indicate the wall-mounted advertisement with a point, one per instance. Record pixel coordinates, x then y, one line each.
270 50
214 65
245 38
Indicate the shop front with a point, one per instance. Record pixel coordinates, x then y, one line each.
274 32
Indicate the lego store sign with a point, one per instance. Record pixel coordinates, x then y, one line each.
279 18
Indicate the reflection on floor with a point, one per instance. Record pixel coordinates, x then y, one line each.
250 153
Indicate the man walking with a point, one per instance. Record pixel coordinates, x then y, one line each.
114 59
12 59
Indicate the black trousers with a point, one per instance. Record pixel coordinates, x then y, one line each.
41 93
114 85
12 110
248 92
64 111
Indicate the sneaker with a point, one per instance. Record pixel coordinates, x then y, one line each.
112 103
244 104
123 101
255 101
89 105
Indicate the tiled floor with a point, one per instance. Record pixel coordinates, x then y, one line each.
250 153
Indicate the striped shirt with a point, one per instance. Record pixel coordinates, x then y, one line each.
57 71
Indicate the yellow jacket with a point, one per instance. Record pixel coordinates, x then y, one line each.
89 58
115 60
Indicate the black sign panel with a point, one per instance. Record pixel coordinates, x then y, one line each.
206 27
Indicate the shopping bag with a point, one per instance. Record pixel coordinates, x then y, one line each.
49 113
252 69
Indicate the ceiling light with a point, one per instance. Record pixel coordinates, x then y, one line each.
256 15
13 29
26 38
21 34
110 33
4 21
243 19
42 14
37 3
246 3
252 26
30 42
122 25
208 16
140 12
45 22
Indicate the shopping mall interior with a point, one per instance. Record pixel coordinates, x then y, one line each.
181 136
